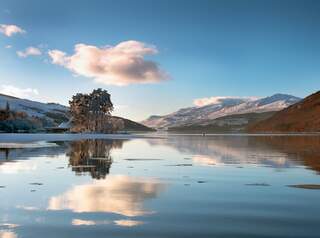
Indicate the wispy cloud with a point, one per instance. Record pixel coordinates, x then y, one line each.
8 46
200 102
10 30
27 93
30 51
122 64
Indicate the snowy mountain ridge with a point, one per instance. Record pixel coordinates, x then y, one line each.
222 107
52 112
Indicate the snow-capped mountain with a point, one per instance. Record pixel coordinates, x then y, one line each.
51 112
222 107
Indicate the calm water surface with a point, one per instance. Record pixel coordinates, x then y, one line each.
177 186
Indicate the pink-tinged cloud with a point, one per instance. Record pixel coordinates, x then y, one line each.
120 65
10 30
200 102
30 51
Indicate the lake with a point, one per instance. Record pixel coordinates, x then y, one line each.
170 186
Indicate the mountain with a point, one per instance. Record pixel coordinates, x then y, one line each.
303 116
134 126
222 107
227 124
53 114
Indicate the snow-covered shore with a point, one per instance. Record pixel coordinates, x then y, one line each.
13 137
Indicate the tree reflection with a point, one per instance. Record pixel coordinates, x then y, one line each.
5 152
92 156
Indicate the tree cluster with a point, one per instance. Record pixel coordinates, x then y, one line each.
13 121
92 113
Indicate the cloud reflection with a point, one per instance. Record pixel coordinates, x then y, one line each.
203 160
128 223
15 167
80 222
7 234
118 194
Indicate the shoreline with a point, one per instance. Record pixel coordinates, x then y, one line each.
49 137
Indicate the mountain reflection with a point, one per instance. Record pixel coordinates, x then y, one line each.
304 150
275 151
117 194
92 156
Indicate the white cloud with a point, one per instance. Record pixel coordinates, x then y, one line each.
30 51
27 93
122 64
200 102
10 30
8 46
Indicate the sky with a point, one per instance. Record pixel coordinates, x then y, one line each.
155 57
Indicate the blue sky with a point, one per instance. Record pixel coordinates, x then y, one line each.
205 48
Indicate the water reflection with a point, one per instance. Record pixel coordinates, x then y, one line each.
274 151
16 160
81 222
92 156
126 223
16 167
102 203
86 156
304 150
6 230
4 153
9 153
117 194
7 234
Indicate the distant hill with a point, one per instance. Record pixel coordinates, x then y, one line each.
227 124
200 116
51 114
303 116
134 126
